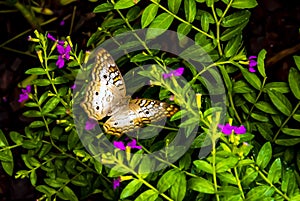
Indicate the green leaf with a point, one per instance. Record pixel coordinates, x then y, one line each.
73 139
260 62
281 102
294 82
288 142
178 189
236 18
123 4
259 117
44 150
46 189
36 71
256 192
266 107
287 180
103 8
36 124
190 10
133 13
250 176
31 104
275 171
203 165
201 185
33 177
113 23
43 97
6 155
149 195
290 131
69 194
159 25
296 117
233 46
131 188
251 78
3 141
241 4
32 113
231 32
8 167
264 155
174 5
80 180
149 14
227 178
166 181
41 82
297 61
140 57
53 182
226 78
60 80
281 87
50 105
16 137
226 164
265 130
183 29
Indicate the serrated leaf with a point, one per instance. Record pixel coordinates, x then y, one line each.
280 102
294 82
131 188
264 155
149 14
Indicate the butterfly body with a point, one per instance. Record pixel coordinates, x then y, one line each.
106 96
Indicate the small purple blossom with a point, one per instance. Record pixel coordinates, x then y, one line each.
90 124
177 72
116 183
62 23
120 145
64 54
25 94
51 37
73 86
252 64
228 129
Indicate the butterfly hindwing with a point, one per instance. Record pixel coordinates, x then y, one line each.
137 114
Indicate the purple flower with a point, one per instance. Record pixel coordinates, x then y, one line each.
51 37
228 129
62 23
120 145
64 54
177 72
90 124
252 64
73 86
24 95
116 183
133 145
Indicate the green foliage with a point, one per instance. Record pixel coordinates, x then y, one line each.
261 164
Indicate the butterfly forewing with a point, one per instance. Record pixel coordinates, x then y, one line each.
106 90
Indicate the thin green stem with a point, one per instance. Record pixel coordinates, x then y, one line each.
239 182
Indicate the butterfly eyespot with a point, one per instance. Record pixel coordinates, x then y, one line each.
147 112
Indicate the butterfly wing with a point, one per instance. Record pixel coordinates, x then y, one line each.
138 113
106 90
